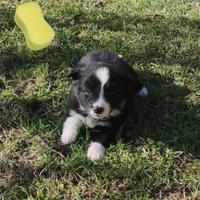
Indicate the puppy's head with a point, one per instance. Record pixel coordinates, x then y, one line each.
102 91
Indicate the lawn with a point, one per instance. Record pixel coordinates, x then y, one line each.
157 155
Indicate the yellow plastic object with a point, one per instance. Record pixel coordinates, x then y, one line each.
38 33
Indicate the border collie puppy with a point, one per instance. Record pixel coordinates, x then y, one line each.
103 91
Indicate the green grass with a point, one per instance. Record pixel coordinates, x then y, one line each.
158 156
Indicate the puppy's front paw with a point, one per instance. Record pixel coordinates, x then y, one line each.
96 151
70 129
68 136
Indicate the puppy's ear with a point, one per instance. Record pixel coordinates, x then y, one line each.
75 74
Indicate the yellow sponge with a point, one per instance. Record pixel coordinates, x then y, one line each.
38 33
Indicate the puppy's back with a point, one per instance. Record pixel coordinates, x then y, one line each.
103 57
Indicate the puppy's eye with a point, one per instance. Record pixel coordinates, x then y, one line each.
111 93
86 92
112 90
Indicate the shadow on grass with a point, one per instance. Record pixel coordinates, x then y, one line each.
161 40
158 39
16 55
164 41
7 18
163 116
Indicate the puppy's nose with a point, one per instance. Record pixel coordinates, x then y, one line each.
98 110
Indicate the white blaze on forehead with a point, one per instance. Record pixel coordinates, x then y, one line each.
103 75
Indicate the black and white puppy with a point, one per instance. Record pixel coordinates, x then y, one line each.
103 91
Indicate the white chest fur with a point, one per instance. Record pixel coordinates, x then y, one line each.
89 121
